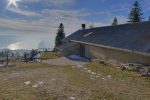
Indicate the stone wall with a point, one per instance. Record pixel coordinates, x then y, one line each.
115 56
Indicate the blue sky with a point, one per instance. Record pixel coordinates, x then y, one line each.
34 23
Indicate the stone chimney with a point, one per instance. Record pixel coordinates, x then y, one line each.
83 26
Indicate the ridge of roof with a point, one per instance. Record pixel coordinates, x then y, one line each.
136 23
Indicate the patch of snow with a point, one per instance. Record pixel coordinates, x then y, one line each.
93 73
73 67
35 86
27 82
72 98
2 65
5 79
89 71
85 68
53 79
15 74
40 83
91 76
77 57
109 76
97 76
103 78
38 60
79 66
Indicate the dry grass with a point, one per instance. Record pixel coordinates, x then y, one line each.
121 85
99 67
12 86
49 55
63 82
22 66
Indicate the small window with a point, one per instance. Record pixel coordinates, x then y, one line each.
88 34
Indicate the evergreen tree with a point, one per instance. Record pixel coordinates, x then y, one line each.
135 14
60 35
115 22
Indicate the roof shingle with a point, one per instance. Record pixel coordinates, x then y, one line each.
134 37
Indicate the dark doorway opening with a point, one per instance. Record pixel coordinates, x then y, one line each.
82 50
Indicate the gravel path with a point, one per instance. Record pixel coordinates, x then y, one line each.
64 61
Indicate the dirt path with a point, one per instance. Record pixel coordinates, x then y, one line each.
64 61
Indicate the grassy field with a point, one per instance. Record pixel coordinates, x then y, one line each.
49 55
95 81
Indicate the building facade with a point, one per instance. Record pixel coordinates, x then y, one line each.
127 43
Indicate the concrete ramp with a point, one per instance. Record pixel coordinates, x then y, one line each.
64 61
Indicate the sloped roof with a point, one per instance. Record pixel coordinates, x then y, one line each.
133 37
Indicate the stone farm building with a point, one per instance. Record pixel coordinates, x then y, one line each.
126 43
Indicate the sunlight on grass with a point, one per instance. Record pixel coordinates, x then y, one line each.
110 70
49 55
23 65
71 81
97 88
15 89
121 83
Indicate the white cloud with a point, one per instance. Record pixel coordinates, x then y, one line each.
14 46
22 12
22 25
65 13
49 21
54 2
